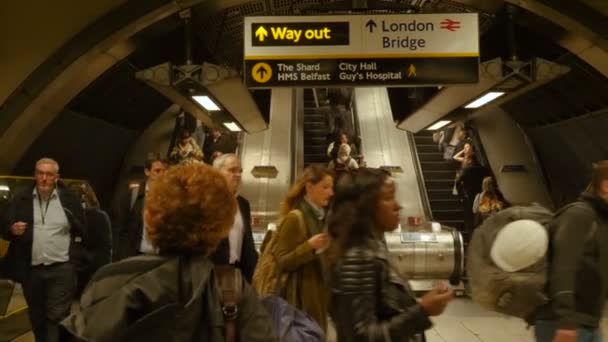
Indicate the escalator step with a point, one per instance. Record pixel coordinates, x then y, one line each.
439 184
430 156
445 204
425 133
442 194
436 166
314 125
439 175
423 148
423 140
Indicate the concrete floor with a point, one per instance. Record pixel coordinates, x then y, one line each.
465 321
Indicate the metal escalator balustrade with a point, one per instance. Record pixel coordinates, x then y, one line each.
439 177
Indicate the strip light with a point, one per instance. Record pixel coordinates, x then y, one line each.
206 102
490 96
232 126
438 125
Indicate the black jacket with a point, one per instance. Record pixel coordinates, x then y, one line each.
249 256
578 270
18 260
99 244
371 301
224 144
100 237
129 223
163 298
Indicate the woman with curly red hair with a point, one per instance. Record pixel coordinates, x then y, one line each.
172 295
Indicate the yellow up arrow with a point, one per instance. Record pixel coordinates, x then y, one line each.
261 33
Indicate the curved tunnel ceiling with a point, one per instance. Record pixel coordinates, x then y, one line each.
101 47
90 53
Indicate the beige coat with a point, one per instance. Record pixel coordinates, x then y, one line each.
306 287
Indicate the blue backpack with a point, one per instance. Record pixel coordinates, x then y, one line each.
291 324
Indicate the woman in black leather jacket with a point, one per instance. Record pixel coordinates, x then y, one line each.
370 299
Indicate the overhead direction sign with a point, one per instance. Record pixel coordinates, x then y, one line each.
361 50
299 34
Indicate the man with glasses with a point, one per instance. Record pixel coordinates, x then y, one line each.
45 225
238 249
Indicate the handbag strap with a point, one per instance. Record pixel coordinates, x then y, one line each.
278 272
229 284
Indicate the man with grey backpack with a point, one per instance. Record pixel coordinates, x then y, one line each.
550 269
578 267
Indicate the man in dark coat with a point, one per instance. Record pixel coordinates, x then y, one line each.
578 269
130 219
219 144
45 225
238 249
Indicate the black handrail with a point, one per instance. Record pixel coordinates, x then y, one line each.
426 205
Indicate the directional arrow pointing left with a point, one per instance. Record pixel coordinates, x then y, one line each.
371 24
261 33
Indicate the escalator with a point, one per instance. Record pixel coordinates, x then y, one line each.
315 132
438 177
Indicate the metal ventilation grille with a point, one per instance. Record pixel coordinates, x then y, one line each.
512 83
223 32
581 91
447 6
287 7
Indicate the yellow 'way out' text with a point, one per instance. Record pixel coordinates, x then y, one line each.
284 33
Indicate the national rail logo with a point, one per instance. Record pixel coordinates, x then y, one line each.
450 25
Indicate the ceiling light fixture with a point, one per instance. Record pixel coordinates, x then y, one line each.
232 126
437 125
206 102
489 96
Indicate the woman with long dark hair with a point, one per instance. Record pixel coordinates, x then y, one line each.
370 299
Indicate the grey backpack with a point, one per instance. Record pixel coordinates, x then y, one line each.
518 293
513 293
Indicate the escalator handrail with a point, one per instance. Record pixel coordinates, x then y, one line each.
426 204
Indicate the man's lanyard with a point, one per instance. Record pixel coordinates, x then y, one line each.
46 210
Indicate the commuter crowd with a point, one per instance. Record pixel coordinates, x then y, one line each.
185 230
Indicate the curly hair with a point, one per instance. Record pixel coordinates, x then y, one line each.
189 210
312 174
599 175
354 209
